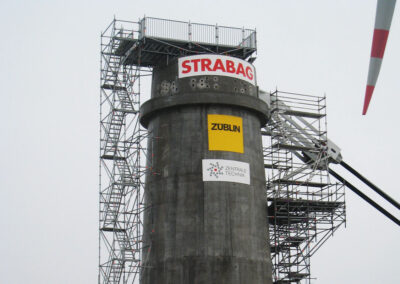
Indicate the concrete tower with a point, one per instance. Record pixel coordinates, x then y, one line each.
207 221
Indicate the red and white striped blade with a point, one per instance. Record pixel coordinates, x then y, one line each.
383 20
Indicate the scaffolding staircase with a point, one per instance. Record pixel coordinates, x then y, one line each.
304 207
121 170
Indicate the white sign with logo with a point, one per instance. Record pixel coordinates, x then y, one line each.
212 64
226 170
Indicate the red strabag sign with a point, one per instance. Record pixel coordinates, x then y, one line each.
210 64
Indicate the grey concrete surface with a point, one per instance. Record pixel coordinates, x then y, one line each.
195 231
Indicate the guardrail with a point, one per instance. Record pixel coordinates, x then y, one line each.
198 33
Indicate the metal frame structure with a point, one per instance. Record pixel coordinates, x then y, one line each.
304 207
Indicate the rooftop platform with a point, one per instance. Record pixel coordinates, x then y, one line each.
159 40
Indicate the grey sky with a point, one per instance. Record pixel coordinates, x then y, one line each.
49 74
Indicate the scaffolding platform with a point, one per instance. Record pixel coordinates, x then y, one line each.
285 219
156 51
301 183
295 276
157 41
300 205
288 243
295 147
284 212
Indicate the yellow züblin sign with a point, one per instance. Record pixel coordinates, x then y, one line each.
225 133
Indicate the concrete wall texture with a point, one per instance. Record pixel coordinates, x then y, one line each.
198 231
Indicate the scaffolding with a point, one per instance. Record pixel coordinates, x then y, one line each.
122 163
129 51
304 207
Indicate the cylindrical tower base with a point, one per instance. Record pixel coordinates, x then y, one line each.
206 220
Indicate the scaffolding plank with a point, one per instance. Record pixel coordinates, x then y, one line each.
294 241
289 242
283 218
297 275
269 166
113 87
303 114
300 183
112 157
126 110
294 147
107 229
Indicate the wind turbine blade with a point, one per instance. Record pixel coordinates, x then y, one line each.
383 20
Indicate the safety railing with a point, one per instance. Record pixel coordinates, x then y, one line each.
197 33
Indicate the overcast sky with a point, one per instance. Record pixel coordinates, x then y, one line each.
49 78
